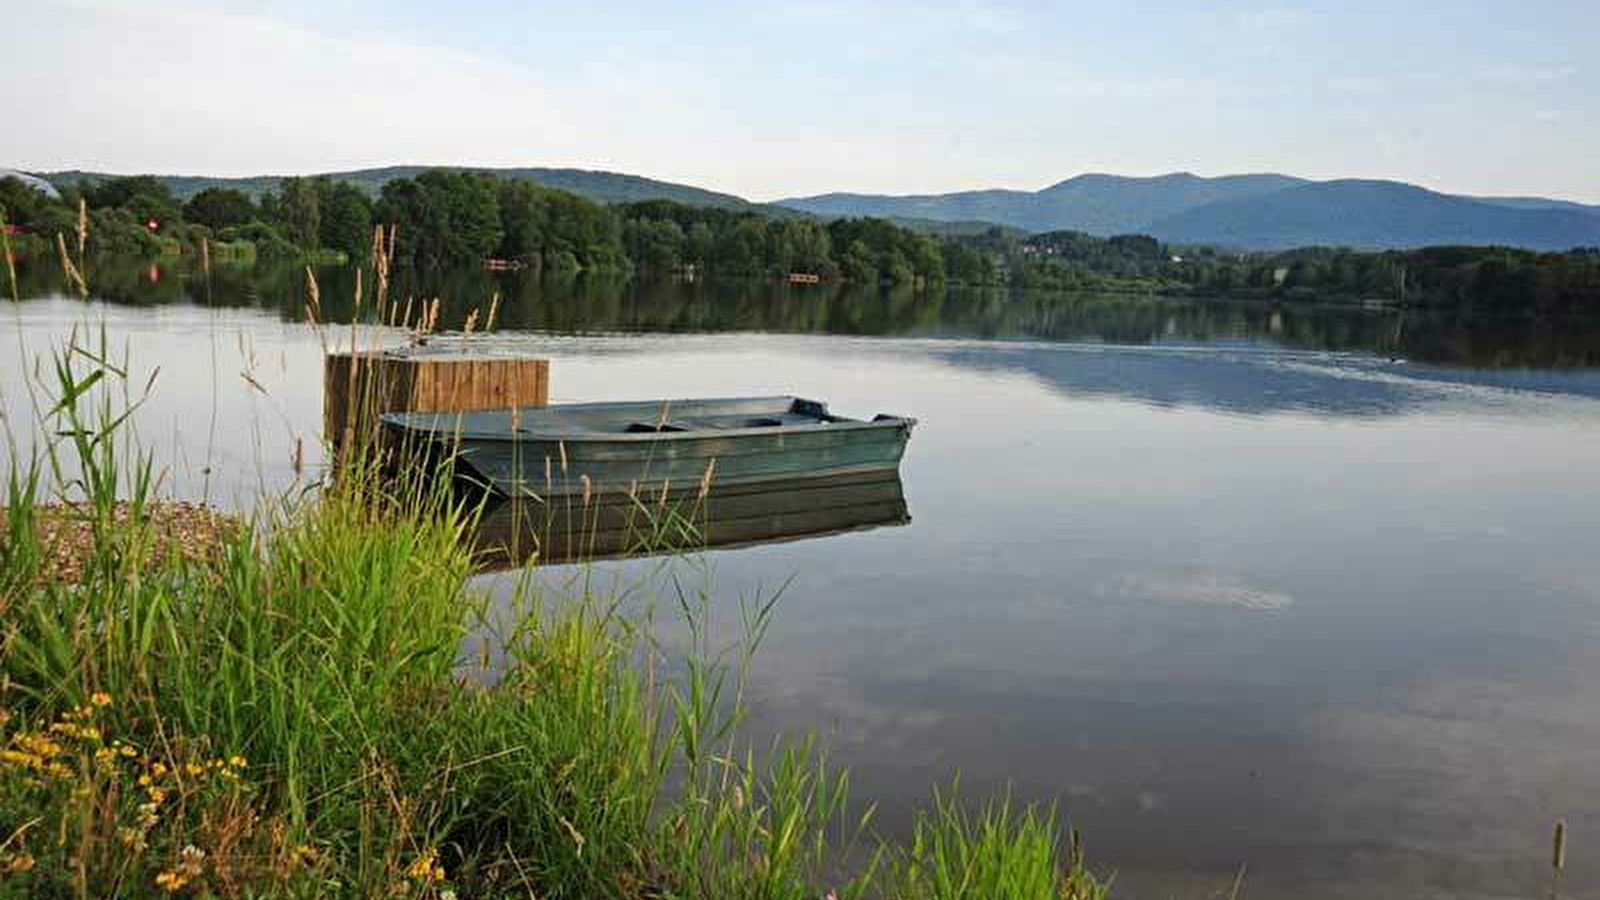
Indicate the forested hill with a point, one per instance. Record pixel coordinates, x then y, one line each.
1097 204
1378 214
603 187
1251 212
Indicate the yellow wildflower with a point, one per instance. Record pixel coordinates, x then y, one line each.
158 768
237 761
195 770
171 881
101 699
426 867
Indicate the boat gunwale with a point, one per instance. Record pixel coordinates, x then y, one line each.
523 435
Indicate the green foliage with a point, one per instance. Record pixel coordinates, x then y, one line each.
1467 278
444 218
997 854
269 244
346 218
119 232
219 208
20 201
452 218
299 211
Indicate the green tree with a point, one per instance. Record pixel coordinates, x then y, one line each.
346 218
218 208
300 212
19 201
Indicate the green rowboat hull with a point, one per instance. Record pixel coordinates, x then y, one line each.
589 448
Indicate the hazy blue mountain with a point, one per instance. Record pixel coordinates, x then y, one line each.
1248 211
1539 203
606 187
1374 214
1095 203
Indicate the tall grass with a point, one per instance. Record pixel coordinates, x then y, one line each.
1000 851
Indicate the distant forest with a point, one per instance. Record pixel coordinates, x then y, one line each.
445 218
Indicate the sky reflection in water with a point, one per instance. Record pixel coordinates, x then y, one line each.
1331 616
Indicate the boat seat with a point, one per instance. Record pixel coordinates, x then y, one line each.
722 423
718 423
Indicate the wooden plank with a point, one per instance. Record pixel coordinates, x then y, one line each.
356 388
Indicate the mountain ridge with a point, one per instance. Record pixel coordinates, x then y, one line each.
1248 211
604 186
1187 208
1373 213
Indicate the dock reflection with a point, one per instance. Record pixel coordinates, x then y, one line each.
569 529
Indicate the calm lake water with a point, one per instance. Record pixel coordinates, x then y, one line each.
1313 591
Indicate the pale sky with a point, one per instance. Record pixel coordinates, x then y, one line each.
769 99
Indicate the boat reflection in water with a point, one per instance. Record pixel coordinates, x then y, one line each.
571 528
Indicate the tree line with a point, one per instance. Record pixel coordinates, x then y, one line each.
138 216
443 219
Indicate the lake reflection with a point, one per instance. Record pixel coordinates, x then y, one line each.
1227 596
678 521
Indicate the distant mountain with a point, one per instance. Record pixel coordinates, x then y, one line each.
1375 214
1095 203
605 187
1539 203
1264 211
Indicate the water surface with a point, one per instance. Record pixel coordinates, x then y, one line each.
1312 591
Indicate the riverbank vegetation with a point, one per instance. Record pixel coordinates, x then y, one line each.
442 219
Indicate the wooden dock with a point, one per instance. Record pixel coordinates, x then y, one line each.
441 376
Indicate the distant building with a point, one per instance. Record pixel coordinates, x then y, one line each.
33 181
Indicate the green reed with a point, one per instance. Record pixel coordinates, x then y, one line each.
997 853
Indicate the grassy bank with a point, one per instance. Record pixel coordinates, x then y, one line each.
287 714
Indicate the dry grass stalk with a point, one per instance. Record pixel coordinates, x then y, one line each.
494 307
83 228
11 262
73 273
705 479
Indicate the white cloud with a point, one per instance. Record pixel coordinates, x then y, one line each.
187 88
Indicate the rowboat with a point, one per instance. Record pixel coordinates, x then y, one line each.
513 532
633 447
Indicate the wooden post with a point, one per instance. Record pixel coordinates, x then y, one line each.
358 387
